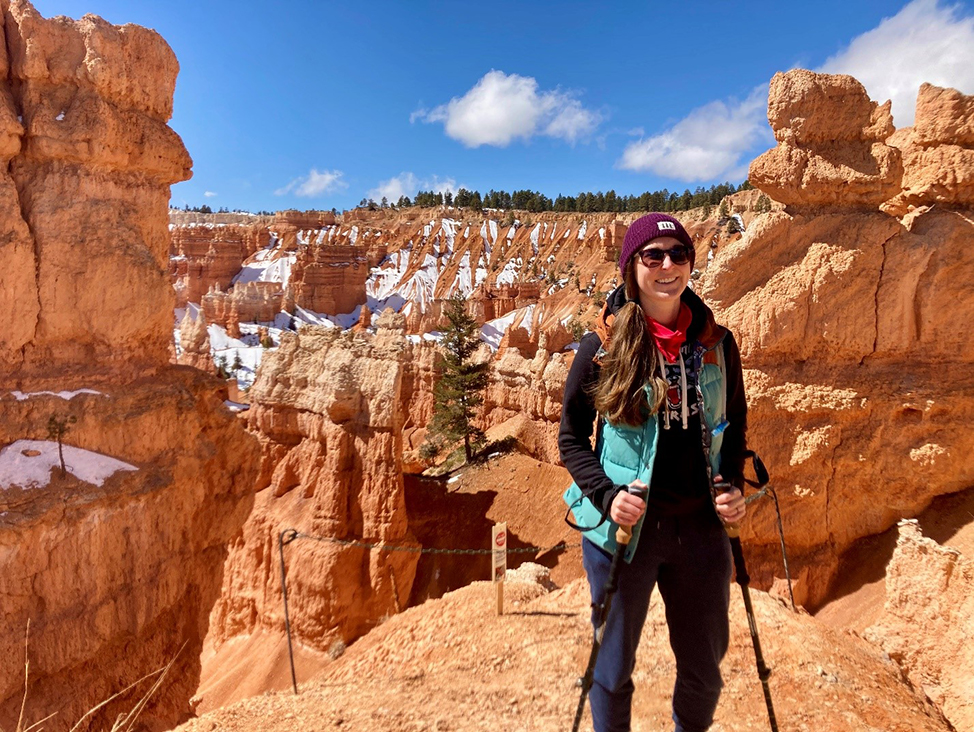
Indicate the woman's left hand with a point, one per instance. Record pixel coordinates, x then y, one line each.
730 505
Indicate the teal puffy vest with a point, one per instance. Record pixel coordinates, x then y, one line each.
628 453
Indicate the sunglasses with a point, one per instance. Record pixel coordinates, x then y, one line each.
679 254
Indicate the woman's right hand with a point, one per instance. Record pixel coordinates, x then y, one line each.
626 509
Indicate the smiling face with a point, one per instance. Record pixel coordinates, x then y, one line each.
660 287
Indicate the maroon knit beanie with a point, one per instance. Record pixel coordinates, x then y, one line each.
649 227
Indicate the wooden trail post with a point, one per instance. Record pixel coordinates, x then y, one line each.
498 543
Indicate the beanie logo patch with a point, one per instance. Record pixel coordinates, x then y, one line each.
666 226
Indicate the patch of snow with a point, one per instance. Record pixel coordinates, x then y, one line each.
16 468
483 236
481 272
67 395
454 479
740 221
510 272
462 282
583 230
353 235
263 268
535 233
384 280
493 330
450 232
60 117
602 233
236 406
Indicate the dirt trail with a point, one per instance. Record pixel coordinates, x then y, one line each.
453 664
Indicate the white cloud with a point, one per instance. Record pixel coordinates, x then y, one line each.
407 184
314 184
209 194
925 41
706 144
501 108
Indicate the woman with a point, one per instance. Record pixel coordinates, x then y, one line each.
665 382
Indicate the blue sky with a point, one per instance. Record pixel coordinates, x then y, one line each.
314 105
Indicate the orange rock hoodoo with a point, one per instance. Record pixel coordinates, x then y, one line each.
851 327
207 256
329 410
116 572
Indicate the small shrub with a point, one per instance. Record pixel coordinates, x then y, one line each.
576 328
267 342
429 450
221 367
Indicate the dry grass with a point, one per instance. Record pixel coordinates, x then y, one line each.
123 723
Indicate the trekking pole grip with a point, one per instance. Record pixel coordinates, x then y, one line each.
624 533
733 530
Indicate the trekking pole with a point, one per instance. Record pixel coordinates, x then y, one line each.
740 570
763 483
623 535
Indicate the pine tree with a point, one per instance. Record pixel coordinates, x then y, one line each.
459 391
57 427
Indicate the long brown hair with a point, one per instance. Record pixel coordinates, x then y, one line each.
631 362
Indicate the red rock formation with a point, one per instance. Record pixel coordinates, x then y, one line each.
523 399
832 148
287 224
116 579
938 152
928 621
330 278
194 343
327 407
248 302
88 124
857 372
204 256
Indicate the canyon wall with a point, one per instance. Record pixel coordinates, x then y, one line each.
412 260
116 561
858 370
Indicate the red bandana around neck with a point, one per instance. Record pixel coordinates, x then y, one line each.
669 340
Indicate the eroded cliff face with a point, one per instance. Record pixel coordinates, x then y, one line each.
117 562
850 321
329 409
930 587
84 112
